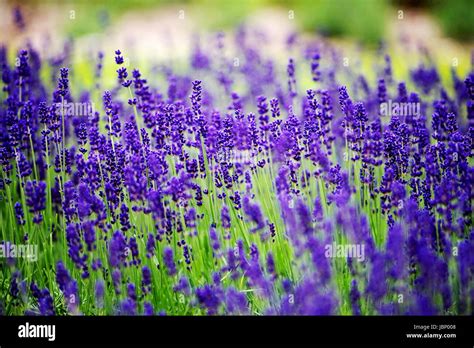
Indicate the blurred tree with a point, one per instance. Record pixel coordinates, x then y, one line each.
363 20
455 16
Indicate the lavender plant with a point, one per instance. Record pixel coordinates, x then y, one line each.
266 188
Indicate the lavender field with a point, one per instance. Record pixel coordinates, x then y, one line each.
325 179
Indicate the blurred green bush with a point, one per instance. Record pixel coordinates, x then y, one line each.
363 20
360 19
456 18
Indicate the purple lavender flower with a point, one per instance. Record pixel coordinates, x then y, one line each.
62 91
315 67
127 307
355 298
307 300
236 302
89 235
148 309
425 78
69 201
75 249
209 297
146 279
20 217
46 303
117 280
124 217
18 18
99 293
36 199
117 250
183 286
150 245
24 166
377 286
134 251
291 78
253 212
68 286
214 238
168 260
199 59
122 72
225 217
118 57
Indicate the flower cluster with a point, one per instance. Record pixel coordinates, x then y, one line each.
223 194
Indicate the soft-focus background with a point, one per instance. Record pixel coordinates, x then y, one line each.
151 33
164 25
365 20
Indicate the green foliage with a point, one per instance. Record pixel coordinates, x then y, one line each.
95 16
359 19
363 20
456 18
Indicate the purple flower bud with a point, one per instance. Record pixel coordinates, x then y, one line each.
99 293
168 260
68 286
209 297
20 218
36 198
146 279
253 212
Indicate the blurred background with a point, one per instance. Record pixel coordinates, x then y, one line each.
169 30
364 20
368 21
